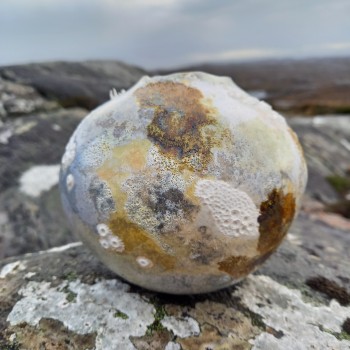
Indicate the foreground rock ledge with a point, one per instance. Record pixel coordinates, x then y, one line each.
64 298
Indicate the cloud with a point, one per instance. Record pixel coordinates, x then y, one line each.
239 54
338 46
165 33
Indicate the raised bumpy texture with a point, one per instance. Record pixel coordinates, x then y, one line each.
184 183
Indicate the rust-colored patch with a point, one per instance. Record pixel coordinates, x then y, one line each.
138 243
210 338
241 266
157 340
184 125
236 266
276 215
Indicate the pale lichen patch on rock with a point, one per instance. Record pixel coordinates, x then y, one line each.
283 309
11 268
38 179
93 305
182 327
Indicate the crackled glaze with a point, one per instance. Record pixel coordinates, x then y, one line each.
184 183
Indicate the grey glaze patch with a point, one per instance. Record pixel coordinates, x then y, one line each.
101 195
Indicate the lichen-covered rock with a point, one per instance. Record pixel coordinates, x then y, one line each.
183 184
64 299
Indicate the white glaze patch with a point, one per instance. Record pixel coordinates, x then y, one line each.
234 212
94 306
69 154
38 179
116 243
144 262
103 230
108 240
70 182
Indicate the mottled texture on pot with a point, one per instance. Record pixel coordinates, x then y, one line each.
184 183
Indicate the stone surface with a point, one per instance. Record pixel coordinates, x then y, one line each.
73 84
314 260
20 99
31 216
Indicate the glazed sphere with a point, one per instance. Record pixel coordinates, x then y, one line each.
184 183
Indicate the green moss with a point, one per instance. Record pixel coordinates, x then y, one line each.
71 276
340 183
70 295
120 314
9 346
158 317
255 319
343 336
340 336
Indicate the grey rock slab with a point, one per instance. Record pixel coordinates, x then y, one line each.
75 84
326 144
34 140
315 85
19 99
30 206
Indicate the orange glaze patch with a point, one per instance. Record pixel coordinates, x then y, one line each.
184 126
241 266
137 242
236 266
124 161
276 215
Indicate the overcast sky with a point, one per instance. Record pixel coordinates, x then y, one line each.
169 33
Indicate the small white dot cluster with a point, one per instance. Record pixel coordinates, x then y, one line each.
144 262
108 240
233 211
